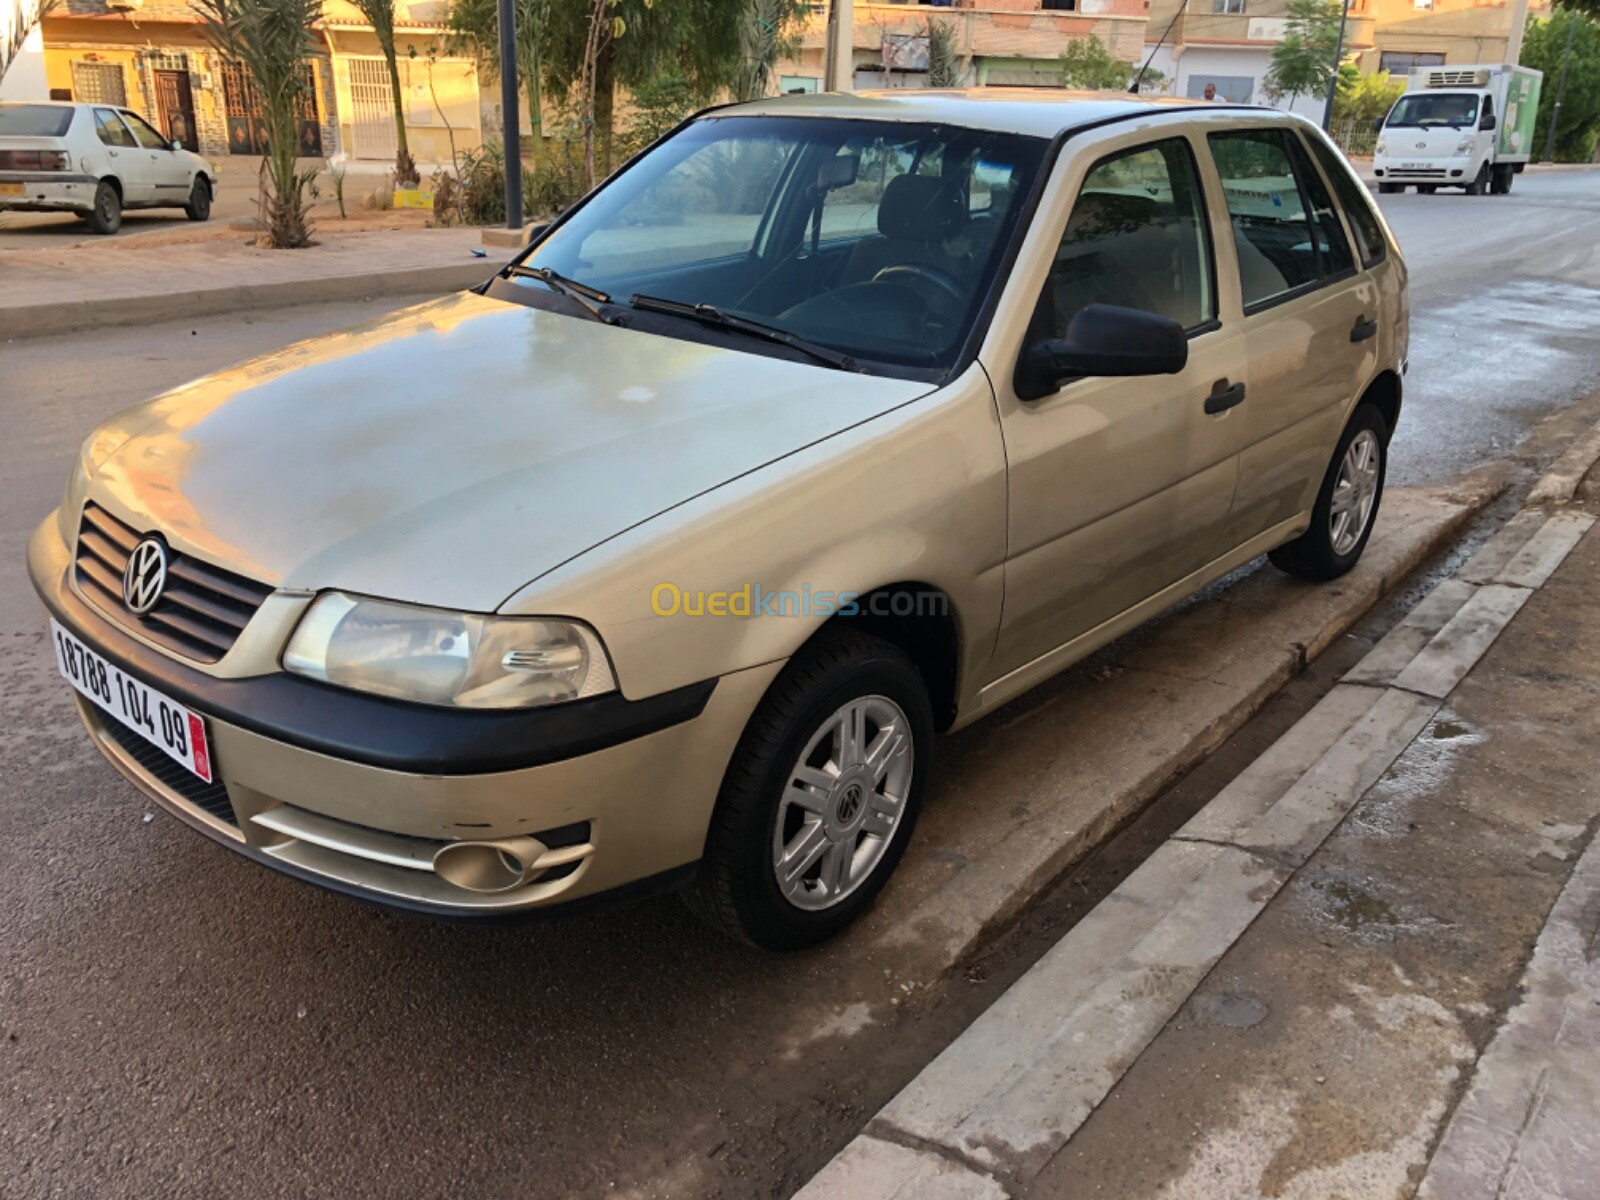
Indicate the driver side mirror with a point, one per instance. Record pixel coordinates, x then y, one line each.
174 144
1103 339
1487 122
1377 124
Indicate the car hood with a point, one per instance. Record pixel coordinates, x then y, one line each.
451 453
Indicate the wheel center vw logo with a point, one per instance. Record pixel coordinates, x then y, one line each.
145 577
849 804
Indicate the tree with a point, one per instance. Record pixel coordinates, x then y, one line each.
768 31
1303 63
272 39
380 15
24 18
1087 64
1543 49
944 63
475 24
1362 97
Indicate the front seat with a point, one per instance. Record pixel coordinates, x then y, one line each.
917 215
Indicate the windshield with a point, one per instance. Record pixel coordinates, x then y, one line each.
1451 110
34 120
877 239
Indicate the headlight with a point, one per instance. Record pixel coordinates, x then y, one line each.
432 656
1381 148
1464 146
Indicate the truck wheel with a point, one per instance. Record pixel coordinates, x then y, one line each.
1390 189
1500 181
1427 189
1480 182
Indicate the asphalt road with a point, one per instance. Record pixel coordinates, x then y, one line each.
175 1021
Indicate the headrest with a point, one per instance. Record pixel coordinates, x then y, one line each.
921 208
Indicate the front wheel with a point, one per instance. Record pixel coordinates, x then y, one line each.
1480 182
1346 507
821 796
199 206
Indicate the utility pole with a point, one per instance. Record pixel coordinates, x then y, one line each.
839 65
1519 26
1338 57
509 116
1561 88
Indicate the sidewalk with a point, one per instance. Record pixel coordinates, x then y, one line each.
62 289
1322 976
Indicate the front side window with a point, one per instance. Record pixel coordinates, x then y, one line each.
1271 231
1356 200
1136 237
1419 110
148 138
110 129
877 239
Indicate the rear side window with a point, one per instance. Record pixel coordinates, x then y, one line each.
1333 252
1356 201
1281 250
1137 237
34 120
110 129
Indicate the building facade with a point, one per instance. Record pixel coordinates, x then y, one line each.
998 41
153 56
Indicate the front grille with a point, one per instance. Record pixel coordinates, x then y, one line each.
1420 172
200 614
209 797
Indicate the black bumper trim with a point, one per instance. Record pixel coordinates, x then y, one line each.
377 732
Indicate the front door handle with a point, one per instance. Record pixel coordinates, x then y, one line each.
1364 329
1223 397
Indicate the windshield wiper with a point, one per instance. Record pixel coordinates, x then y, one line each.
710 314
592 299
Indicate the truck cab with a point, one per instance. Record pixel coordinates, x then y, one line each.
1466 127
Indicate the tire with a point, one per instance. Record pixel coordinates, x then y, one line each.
1480 182
106 215
763 813
199 206
1427 189
1500 181
1390 189
1319 553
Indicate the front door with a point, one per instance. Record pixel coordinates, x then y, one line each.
170 178
1311 320
1121 487
175 108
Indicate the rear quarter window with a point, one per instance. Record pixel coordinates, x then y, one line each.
34 120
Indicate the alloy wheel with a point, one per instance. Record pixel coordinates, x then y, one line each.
843 802
1354 492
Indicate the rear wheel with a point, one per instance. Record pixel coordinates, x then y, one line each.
1389 189
1480 182
1346 507
106 215
1427 189
199 206
821 796
1500 181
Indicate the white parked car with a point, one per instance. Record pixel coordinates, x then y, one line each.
95 160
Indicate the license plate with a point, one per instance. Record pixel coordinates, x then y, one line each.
1413 166
158 719
10 189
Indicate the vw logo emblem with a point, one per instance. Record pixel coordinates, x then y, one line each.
849 804
145 577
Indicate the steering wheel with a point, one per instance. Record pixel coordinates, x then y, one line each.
939 279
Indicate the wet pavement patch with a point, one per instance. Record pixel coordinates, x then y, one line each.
1233 1010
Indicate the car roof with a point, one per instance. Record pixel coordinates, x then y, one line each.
1042 112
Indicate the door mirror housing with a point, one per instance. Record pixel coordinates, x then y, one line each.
1103 339
174 144
1488 121
1377 124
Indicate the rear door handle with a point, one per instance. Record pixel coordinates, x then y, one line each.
1223 397
1364 329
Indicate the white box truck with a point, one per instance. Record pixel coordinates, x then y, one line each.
1465 127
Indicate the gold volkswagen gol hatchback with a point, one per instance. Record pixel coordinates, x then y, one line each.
828 423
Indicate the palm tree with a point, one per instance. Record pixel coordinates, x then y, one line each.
766 34
271 40
380 15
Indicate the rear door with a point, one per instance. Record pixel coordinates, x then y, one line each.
1118 488
1311 320
128 162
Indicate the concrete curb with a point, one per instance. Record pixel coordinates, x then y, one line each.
72 316
996 885
991 1112
1560 482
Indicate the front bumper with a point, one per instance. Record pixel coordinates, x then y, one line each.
626 813
47 192
1441 170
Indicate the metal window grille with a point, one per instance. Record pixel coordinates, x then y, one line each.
100 83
